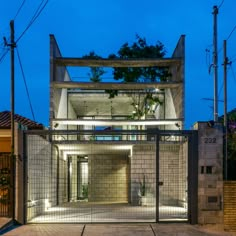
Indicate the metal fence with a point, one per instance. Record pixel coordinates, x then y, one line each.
140 177
5 185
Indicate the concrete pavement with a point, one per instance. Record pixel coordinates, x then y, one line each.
167 229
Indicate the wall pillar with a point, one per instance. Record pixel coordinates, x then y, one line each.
210 172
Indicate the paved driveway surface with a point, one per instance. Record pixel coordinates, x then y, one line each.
117 230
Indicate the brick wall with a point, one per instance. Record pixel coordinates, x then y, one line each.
230 205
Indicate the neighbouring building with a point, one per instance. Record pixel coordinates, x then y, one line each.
6 162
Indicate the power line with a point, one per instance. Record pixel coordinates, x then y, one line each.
33 19
228 38
231 32
26 87
221 4
219 93
4 55
17 13
232 72
233 59
19 9
4 50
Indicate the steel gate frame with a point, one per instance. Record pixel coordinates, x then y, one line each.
192 171
192 161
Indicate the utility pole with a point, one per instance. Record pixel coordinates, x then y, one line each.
215 63
12 46
225 111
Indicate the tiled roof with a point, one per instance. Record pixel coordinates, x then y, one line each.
5 121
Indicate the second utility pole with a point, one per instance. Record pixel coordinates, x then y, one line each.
225 113
215 63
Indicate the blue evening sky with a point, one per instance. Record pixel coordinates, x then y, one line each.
103 26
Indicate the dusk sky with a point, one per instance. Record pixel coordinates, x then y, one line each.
103 26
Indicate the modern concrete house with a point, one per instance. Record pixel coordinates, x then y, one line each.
100 163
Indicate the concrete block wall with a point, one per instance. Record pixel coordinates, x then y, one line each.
210 176
39 175
172 174
169 174
143 164
108 178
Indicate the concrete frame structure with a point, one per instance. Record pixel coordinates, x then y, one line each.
67 97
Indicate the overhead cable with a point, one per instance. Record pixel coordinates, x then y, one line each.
37 13
19 9
26 87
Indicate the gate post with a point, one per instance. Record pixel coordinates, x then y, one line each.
210 175
157 175
193 177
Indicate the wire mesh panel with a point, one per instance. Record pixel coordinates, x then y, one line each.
90 181
76 180
5 190
41 176
173 178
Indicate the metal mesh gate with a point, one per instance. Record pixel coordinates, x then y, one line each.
139 178
173 177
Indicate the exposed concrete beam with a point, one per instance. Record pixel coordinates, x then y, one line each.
165 62
116 122
116 86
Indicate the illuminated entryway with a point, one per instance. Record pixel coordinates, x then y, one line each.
145 180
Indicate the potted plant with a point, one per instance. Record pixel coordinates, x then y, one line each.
143 197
